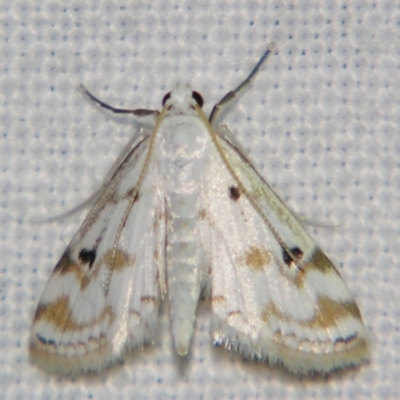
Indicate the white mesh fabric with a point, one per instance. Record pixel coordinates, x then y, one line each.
321 122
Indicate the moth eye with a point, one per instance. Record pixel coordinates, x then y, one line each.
199 99
166 97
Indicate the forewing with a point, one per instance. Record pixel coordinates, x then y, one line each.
275 295
103 295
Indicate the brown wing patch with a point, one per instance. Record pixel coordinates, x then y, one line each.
327 313
119 261
320 262
256 258
58 314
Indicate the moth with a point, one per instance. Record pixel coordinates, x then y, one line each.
187 215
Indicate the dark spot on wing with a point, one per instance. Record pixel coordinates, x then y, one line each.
297 253
87 257
234 193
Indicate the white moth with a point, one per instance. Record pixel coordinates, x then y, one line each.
185 215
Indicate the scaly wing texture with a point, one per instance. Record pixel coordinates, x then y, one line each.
275 295
100 300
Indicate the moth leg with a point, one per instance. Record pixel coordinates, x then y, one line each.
140 112
232 94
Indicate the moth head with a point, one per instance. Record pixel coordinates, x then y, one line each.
182 98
